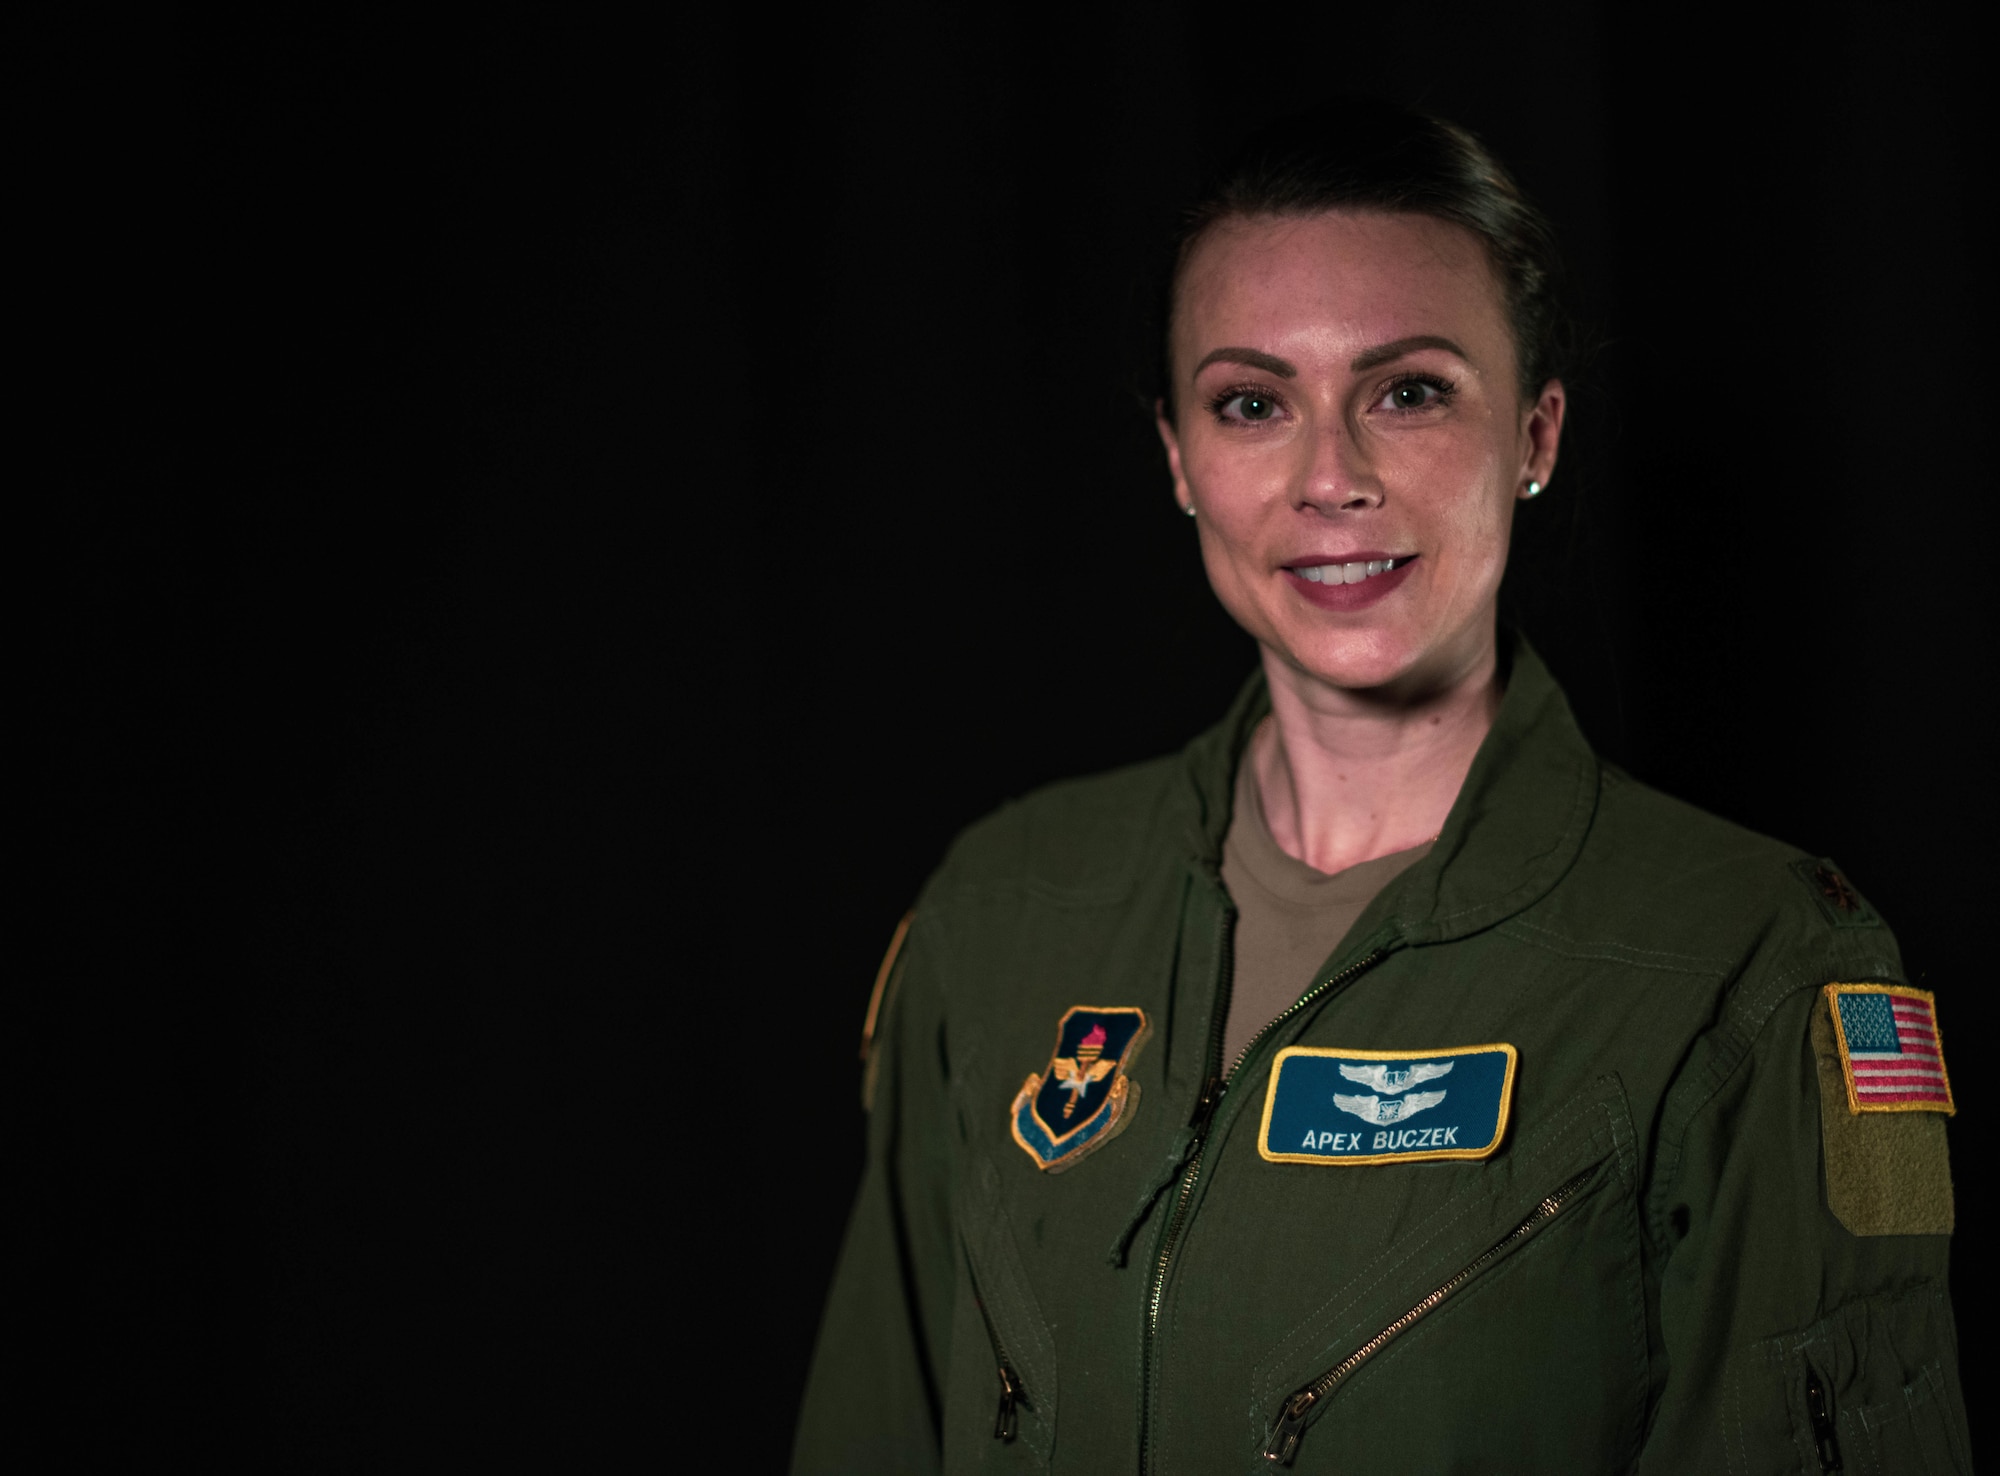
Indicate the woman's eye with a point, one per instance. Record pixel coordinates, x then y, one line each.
1412 394
1249 407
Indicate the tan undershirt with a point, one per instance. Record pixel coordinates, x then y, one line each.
1289 917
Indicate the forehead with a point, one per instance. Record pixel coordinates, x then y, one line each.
1327 285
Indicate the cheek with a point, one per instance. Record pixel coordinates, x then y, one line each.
1231 557
1235 495
1212 465
1482 530
1480 519
1237 485
1225 555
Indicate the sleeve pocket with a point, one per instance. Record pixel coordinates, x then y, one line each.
1914 1430
1871 1388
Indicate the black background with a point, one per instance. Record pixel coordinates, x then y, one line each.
653 486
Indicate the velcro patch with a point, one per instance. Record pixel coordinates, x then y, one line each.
1890 1052
1356 1107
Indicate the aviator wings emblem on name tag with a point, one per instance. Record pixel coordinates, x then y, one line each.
1391 1076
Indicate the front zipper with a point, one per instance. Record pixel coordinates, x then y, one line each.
1289 1428
1212 1092
1822 1423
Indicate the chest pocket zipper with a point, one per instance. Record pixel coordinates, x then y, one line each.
1005 1425
1023 1354
1304 1405
1013 1397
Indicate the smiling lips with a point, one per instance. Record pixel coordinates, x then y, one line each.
1352 572
1350 584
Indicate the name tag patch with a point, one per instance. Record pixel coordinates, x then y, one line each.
1352 1107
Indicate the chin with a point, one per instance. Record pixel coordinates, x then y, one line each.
1358 660
1385 660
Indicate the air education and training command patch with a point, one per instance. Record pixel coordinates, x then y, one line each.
1086 1097
1890 1052
1354 1107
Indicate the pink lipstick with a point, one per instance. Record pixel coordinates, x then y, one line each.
1348 581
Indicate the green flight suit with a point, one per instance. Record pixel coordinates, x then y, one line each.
1695 1303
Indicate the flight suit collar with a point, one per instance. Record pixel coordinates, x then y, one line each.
1516 827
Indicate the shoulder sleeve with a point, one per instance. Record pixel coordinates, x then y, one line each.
1804 1319
872 1395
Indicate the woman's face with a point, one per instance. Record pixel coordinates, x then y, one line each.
1347 400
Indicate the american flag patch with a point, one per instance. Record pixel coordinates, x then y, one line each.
1889 1048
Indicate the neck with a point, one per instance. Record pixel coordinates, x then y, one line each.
1346 776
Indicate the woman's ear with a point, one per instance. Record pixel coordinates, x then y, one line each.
1541 436
1170 438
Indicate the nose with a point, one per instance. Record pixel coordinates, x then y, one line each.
1339 475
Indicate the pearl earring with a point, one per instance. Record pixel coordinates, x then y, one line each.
1189 509
1534 490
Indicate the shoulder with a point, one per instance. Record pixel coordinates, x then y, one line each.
1742 932
1652 855
1090 837
1666 884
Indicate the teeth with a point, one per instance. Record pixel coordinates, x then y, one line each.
1345 573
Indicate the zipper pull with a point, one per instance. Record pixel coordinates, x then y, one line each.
1186 1142
1010 1394
1822 1423
1283 1446
1205 1105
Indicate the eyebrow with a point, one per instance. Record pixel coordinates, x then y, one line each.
1370 358
1364 361
1252 358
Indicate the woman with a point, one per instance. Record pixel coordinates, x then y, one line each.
1385 1082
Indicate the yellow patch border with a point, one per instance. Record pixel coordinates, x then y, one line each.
1855 1105
1421 1156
